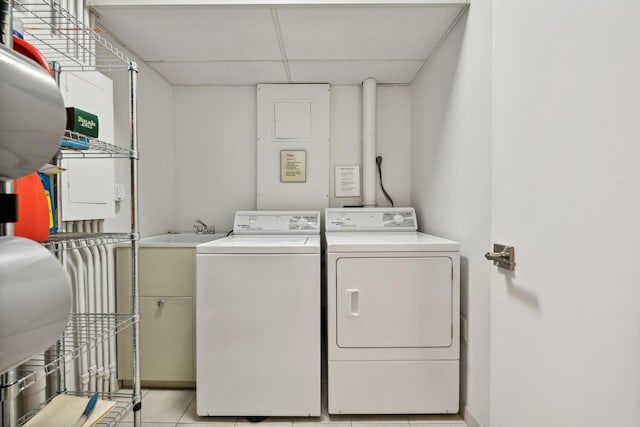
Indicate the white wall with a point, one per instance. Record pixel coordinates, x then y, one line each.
215 152
155 145
215 137
346 136
393 143
451 179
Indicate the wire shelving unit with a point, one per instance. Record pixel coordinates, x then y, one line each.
71 43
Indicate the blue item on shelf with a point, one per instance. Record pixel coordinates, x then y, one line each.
47 183
81 143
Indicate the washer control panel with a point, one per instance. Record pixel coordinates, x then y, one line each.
277 222
371 219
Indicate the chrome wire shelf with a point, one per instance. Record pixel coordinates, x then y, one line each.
65 241
67 36
115 415
96 149
62 37
83 333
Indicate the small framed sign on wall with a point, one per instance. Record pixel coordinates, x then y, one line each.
293 166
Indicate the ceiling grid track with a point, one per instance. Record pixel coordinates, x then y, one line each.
444 37
283 51
333 44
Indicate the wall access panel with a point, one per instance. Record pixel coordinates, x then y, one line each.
88 185
88 189
293 146
92 92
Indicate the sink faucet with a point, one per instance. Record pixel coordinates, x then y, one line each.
200 227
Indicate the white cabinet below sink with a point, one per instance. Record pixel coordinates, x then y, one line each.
167 310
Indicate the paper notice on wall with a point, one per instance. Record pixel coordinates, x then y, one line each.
293 166
347 181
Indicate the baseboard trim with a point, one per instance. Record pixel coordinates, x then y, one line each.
470 419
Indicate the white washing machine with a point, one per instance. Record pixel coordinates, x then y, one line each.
258 317
393 303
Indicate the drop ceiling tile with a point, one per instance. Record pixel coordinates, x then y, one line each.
190 33
222 73
353 72
364 32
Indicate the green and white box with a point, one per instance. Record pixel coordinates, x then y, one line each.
82 122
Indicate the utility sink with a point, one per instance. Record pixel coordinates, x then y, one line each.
178 239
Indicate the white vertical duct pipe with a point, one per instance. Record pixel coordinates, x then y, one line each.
109 306
78 12
369 142
99 258
80 297
73 368
111 283
87 258
33 396
104 309
97 301
86 18
91 23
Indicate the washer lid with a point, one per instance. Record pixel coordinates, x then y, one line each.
262 244
388 242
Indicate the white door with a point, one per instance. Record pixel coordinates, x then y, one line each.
565 325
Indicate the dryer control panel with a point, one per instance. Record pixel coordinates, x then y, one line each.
371 219
277 222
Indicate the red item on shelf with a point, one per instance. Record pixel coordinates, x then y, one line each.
30 51
33 209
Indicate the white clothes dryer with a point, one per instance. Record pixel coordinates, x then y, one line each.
393 302
258 317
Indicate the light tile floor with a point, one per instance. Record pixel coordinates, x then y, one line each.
177 408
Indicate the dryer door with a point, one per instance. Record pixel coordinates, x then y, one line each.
394 302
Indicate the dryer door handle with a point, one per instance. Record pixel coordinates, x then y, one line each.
353 302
